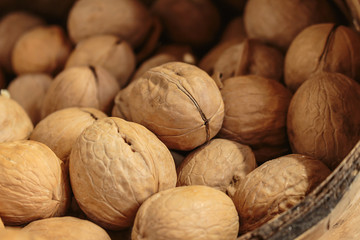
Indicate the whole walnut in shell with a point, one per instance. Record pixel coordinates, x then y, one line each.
29 90
186 213
60 129
12 26
107 51
189 22
17 234
278 22
32 185
275 187
92 87
322 47
255 115
115 166
324 118
250 57
127 19
179 102
220 163
15 124
42 49
70 228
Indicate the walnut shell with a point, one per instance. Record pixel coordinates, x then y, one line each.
189 22
29 90
127 19
275 187
282 20
107 51
221 164
42 49
12 26
60 129
189 212
70 228
322 47
16 234
116 165
179 102
92 87
255 115
324 118
250 57
15 124
32 185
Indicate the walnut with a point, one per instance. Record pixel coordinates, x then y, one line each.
179 102
32 185
29 90
16 234
275 187
189 212
115 166
221 164
107 51
92 87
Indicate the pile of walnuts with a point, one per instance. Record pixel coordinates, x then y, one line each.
171 119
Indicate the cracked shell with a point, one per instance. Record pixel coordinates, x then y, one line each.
32 185
15 124
324 118
275 187
115 166
177 101
186 213
60 228
220 163
92 87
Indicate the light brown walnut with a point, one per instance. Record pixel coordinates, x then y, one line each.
187 213
17 234
220 163
275 187
115 166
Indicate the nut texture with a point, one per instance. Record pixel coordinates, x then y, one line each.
60 129
322 47
275 187
220 163
179 102
116 165
255 115
15 124
42 49
12 26
324 118
127 19
92 87
282 20
189 212
70 228
107 51
17 234
29 90
31 183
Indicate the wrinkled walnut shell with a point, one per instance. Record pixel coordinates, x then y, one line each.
324 118
179 102
116 165
255 115
92 87
107 51
15 124
275 187
32 185
189 212
70 228
220 163
29 90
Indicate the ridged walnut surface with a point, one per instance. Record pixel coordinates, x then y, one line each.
116 165
186 213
